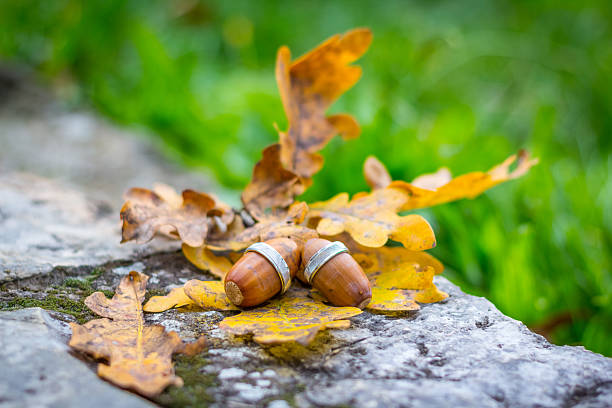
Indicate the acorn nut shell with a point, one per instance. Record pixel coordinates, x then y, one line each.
253 279
341 280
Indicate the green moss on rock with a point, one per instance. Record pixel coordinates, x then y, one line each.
56 303
194 392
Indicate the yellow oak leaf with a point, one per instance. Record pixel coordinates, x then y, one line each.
292 318
399 277
175 298
392 300
371 219
403 300
208 294
338 324
439 187
308 86
396 265
139 356
205 259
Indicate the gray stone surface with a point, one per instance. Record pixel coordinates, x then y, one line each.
462 352
46 225
62 177
38 371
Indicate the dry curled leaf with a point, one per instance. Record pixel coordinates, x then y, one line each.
308 86
205 259
139 356
292 318
433 181
371 220
208 294
145 213
273 226
375 173
175 298
439 187
272 186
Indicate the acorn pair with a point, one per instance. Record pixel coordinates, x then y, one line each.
267 268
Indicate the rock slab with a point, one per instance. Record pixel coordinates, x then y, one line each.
46 224
37 370
462 352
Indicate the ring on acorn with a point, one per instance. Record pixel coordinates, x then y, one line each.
277 261
333 271
321 257
265 269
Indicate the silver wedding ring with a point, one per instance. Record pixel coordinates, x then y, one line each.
321 257
277 261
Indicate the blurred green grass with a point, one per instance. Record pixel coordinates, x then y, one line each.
457 84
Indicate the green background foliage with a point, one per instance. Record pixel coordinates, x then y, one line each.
456 84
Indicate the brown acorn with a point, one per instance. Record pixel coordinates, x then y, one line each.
340 279
254 279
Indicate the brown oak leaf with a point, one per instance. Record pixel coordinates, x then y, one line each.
375 173
272 186
139 356
274 226
145 213
308 86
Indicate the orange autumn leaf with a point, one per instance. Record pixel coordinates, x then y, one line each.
439 188
308 86
204 294
145 213
371 220
139 356
292 318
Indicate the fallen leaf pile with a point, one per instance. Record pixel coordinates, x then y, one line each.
139 356
386 242
213 235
